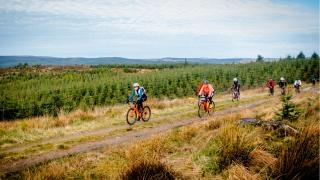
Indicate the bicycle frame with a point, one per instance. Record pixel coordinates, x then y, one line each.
205 104
283 90
135 108
235 94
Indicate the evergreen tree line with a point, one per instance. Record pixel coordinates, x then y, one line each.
34 94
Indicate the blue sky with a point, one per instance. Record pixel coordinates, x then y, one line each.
162 28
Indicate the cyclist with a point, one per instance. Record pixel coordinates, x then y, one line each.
140 92
282 84
297 85
313 81
236 86
270 85
207 90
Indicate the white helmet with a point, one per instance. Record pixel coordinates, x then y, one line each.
136 85
235 79
282 79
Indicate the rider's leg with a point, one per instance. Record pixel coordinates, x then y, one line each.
139 103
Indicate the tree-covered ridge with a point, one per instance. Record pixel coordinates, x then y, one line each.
33 93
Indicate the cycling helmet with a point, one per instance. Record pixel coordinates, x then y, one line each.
282 79
205 81
136 85
235 79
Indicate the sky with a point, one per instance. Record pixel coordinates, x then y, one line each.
159 28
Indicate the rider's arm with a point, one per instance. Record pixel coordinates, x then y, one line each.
200 92
211 89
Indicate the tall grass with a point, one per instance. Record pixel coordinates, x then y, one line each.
300 158
232 144
151 170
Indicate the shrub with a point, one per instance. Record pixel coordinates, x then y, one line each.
289 110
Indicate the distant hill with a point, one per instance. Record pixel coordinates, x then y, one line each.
9 61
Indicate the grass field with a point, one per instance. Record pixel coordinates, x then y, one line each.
194 151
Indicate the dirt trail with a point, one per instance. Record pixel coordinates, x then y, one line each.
78 135
81 134
114 140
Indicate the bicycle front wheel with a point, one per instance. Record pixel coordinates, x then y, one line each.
201 111
131 116
146 114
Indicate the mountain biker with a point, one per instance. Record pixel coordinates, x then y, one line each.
313 81
140 92
282 84
270 85
236 85
297 85
207 90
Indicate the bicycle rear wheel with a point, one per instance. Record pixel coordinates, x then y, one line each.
131 116
146 114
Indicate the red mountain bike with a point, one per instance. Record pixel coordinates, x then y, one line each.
204 106
134 114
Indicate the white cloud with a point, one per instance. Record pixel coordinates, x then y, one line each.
242 27
232 18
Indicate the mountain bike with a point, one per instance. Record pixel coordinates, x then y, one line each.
235 95
205 107
297 88
271 91
283 90
134 114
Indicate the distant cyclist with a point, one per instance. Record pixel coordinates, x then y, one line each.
235 89
140 93
297 85
313 81
236 85
282 84
270 85
207 90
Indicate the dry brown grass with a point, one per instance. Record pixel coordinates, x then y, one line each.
144 160
213 124
236 144
46 122
300 158
148 169
59 169
239 172
188 132
261 161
